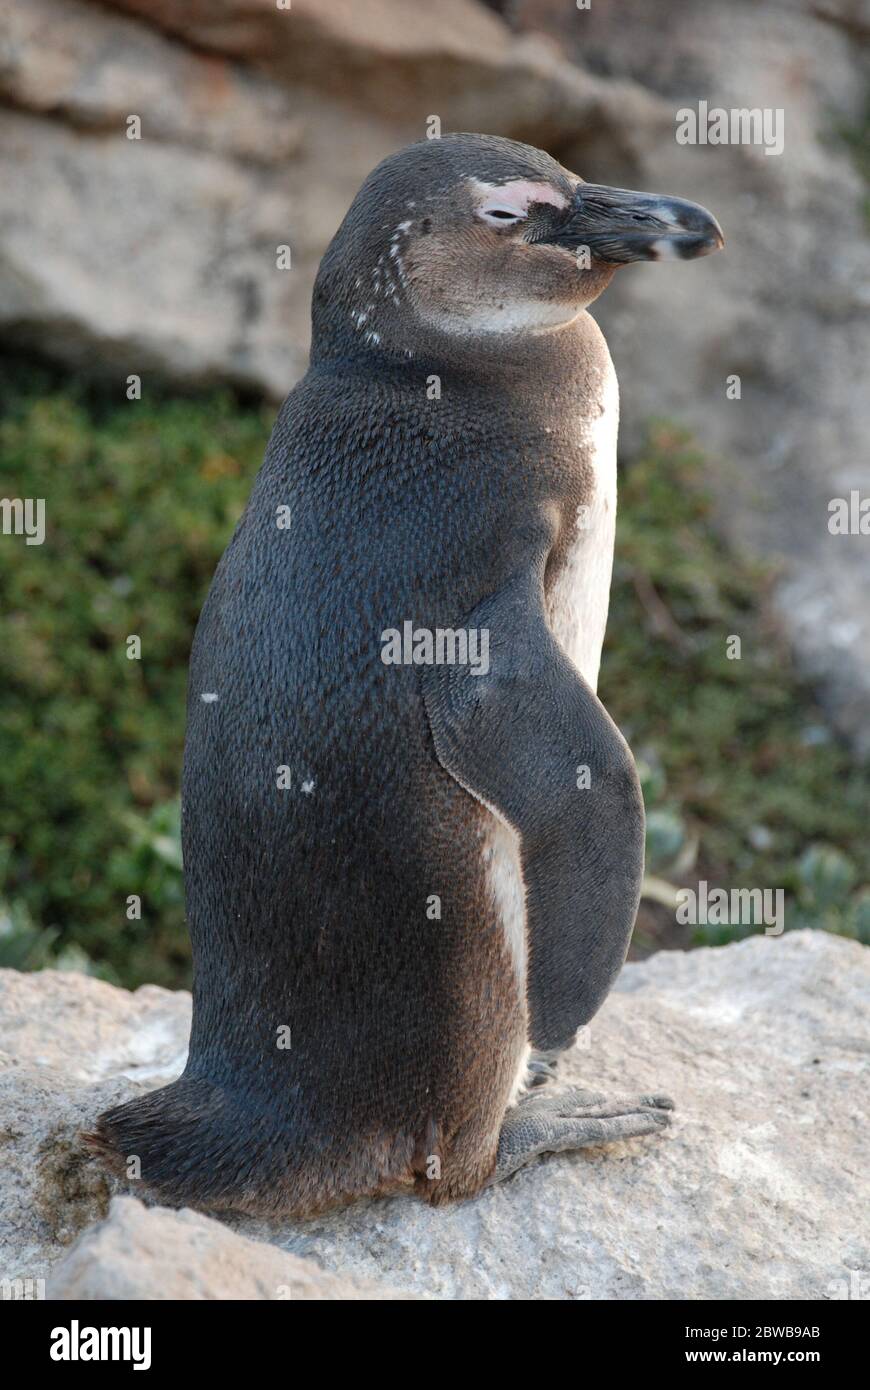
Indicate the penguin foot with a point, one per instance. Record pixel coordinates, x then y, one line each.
572 1120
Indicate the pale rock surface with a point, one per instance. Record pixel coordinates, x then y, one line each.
155 1253
759 1189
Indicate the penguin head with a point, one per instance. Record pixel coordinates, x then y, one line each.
478 236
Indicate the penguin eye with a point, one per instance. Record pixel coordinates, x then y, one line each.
501 216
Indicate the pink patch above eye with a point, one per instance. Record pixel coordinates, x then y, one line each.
516 196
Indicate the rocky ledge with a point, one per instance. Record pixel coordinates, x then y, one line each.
757 1191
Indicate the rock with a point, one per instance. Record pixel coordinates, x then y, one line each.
173 271
65 1040
156 1253
757 1191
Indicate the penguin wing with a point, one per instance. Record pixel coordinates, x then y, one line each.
530 739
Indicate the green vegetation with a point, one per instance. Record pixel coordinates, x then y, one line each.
856 139
141 498
744 784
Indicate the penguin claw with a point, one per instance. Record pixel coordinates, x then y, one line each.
541 1073
542 1068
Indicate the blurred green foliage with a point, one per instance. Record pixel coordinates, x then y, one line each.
141 498
743 782
856 139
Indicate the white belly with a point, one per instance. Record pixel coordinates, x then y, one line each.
579 599
504 877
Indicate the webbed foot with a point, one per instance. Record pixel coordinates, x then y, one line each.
576 1118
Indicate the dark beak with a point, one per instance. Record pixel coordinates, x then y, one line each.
620 226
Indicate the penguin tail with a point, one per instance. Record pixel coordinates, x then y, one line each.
193 1143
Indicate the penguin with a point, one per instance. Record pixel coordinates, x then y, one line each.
412 835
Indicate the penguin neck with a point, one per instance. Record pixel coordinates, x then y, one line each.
399 346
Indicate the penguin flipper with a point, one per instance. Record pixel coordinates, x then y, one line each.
531 740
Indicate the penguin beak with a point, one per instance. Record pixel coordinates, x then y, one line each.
620 226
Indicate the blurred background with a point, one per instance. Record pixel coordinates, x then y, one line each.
157 257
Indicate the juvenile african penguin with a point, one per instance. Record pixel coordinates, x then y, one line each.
413 837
